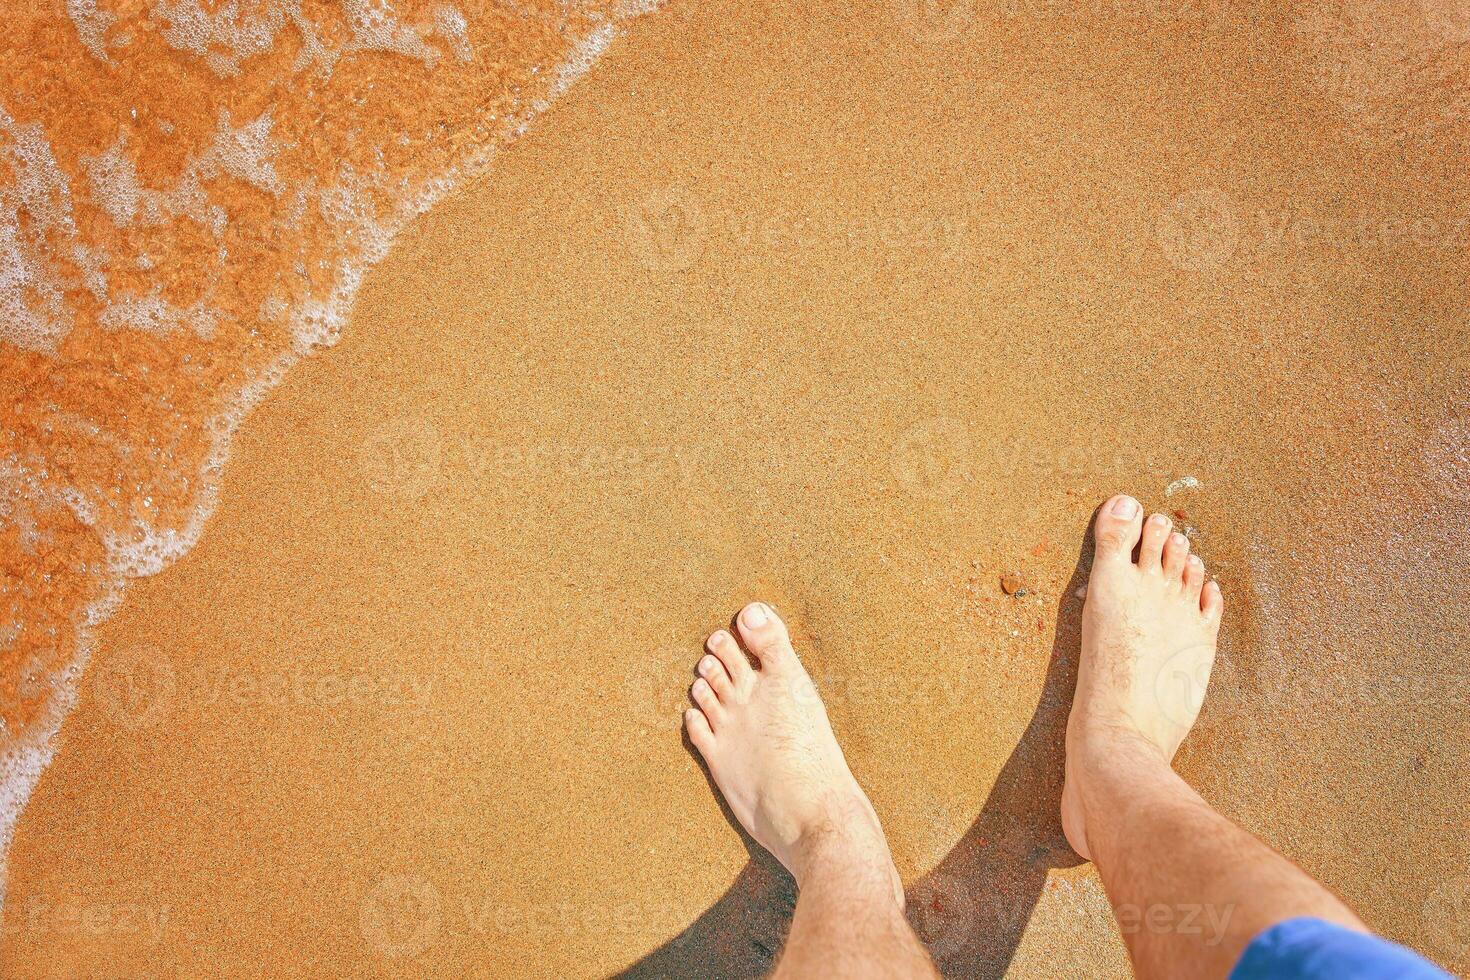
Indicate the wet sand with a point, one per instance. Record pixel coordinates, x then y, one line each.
857 311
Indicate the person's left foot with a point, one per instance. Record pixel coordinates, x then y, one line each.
765 736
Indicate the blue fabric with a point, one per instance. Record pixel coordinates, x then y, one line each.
1310 949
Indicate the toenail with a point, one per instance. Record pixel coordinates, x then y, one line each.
706 664
1178 539
1158 520
754 615
719 637
1196 561
1125 507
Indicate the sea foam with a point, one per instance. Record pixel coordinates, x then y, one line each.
199 247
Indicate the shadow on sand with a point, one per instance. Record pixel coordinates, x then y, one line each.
971 909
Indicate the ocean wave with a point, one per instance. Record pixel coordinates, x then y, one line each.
190 197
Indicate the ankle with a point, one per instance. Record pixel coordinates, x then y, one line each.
851 850
1098 746
1111 732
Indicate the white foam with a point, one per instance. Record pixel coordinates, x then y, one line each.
450 24
33 315
91 25
375 27
582 58
157 315
245 153
147 551
1181 484
313 51
114 180
91 262
224 37
26 756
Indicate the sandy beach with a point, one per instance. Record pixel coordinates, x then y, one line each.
860 310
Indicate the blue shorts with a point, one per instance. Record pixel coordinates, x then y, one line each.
1310 949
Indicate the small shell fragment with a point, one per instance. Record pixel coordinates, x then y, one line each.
1183 483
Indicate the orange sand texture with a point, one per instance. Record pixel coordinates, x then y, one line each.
857 308
188 196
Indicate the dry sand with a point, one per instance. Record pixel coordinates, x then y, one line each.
856 310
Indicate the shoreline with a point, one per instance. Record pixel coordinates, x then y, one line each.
576 423
140 551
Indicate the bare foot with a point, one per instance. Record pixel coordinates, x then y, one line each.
1148 643
765 736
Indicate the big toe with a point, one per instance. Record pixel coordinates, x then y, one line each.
765 636
1117 527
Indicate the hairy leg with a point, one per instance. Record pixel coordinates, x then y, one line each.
766 738
847 924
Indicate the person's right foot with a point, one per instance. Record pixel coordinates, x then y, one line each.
765 736
1148 643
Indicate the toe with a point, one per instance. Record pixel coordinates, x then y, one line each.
697 725
704 696
765 636
710 668
1211 602
1176 550
1194 577
1116 528
1151 548
723 646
